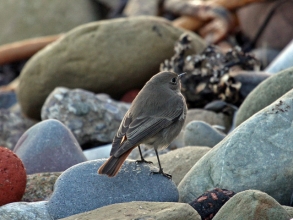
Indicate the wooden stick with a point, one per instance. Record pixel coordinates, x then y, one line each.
24 49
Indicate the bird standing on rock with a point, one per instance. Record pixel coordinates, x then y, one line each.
155 118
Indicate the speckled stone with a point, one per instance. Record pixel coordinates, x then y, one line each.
25 211
39 186
90 117
48 146
12 177
80 188
12 126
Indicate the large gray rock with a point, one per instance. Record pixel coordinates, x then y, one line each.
36 18
199 133
25 211
48 146
80 188
256 155
252 204
91 118
265 93
140 210
178 162
111 56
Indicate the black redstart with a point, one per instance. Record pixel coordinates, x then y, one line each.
155 118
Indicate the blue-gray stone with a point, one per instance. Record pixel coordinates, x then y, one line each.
199 133
7 99
48 146
80 188
256 155
25 211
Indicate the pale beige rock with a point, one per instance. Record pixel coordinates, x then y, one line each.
252 204
209 117
111 56
142 7
140 210
34 18
289 209
178 162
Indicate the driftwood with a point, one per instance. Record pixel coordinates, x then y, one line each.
24 49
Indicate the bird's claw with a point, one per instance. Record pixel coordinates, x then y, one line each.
143 161
162 173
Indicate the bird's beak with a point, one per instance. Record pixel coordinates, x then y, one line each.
180 75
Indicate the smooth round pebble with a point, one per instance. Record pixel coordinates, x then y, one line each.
48 146
12 177
199 133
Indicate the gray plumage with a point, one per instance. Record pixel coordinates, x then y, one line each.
155 118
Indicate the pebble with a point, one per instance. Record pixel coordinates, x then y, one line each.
252 204
7 99
25 211
263 142
178 162
91 118
264 94
199 133
39 186
48 146
12 126
103 63
12 177
140 210
80 188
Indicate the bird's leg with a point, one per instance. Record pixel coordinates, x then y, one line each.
161 169
142 160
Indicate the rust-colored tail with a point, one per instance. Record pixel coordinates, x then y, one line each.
112 166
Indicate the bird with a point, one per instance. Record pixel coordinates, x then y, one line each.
155 117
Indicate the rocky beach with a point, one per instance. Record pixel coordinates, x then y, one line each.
62 102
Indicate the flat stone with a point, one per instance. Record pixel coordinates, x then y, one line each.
140 210
252 204
48 146
25 211
80 188
261 143
94 60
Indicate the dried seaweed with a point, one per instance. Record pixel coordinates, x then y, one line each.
208 75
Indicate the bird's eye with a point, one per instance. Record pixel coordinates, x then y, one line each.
174 81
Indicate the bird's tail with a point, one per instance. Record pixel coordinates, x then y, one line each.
112 166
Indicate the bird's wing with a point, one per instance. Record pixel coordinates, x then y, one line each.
121 133
142 128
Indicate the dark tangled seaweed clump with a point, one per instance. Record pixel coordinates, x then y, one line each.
209 75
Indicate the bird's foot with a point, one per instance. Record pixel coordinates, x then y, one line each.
162 173
142 160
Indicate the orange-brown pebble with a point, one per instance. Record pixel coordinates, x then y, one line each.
12 177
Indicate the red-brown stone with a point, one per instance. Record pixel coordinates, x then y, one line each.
12 177
129 96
